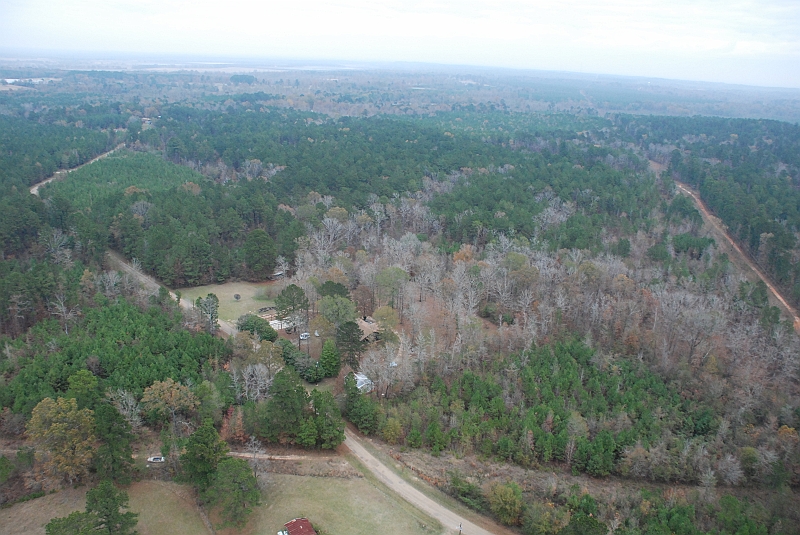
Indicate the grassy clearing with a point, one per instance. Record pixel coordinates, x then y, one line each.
352 506
164 508
29 518
252 297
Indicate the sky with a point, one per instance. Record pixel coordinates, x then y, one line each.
730 41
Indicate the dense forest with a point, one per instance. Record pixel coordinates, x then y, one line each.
182 227
747 172
33 152
542 298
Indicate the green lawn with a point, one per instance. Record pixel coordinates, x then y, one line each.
351 506
164 508
229 308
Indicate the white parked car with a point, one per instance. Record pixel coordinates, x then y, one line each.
157 459
304 336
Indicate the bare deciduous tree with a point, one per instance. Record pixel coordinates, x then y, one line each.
59 307
128 407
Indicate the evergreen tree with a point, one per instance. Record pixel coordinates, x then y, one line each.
327 420
77 523
106 503
360 410
113 457
235 490
307 434
330 361
348 340
287 407
259 254
204 450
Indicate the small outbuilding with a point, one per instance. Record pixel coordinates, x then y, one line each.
298 526
364 383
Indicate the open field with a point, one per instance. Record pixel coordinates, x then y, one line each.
353 506
229 308
29 518
164 508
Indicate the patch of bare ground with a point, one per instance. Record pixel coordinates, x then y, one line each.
300 462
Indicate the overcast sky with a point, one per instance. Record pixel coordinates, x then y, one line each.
747 42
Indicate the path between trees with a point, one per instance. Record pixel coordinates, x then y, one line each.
63 172
722 231
227 328
450 520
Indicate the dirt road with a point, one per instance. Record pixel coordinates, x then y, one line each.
452 522
59 174
271 457
227 328
721 231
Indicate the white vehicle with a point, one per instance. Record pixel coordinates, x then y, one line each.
304 336
157 459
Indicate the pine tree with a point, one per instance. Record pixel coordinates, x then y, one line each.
204 450
348 340
330 359
235 490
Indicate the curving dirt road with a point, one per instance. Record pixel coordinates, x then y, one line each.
721 230
59 174
451 521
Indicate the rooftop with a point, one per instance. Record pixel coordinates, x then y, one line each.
300 526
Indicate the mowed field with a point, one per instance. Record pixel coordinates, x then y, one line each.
352 506
229 308
164 508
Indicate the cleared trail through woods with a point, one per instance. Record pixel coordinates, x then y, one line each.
721 231
62 173
151 283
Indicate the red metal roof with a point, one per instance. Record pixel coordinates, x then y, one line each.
300 526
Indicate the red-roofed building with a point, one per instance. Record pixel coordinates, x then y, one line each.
300 526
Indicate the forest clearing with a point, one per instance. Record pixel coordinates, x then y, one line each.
165 508
251 297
